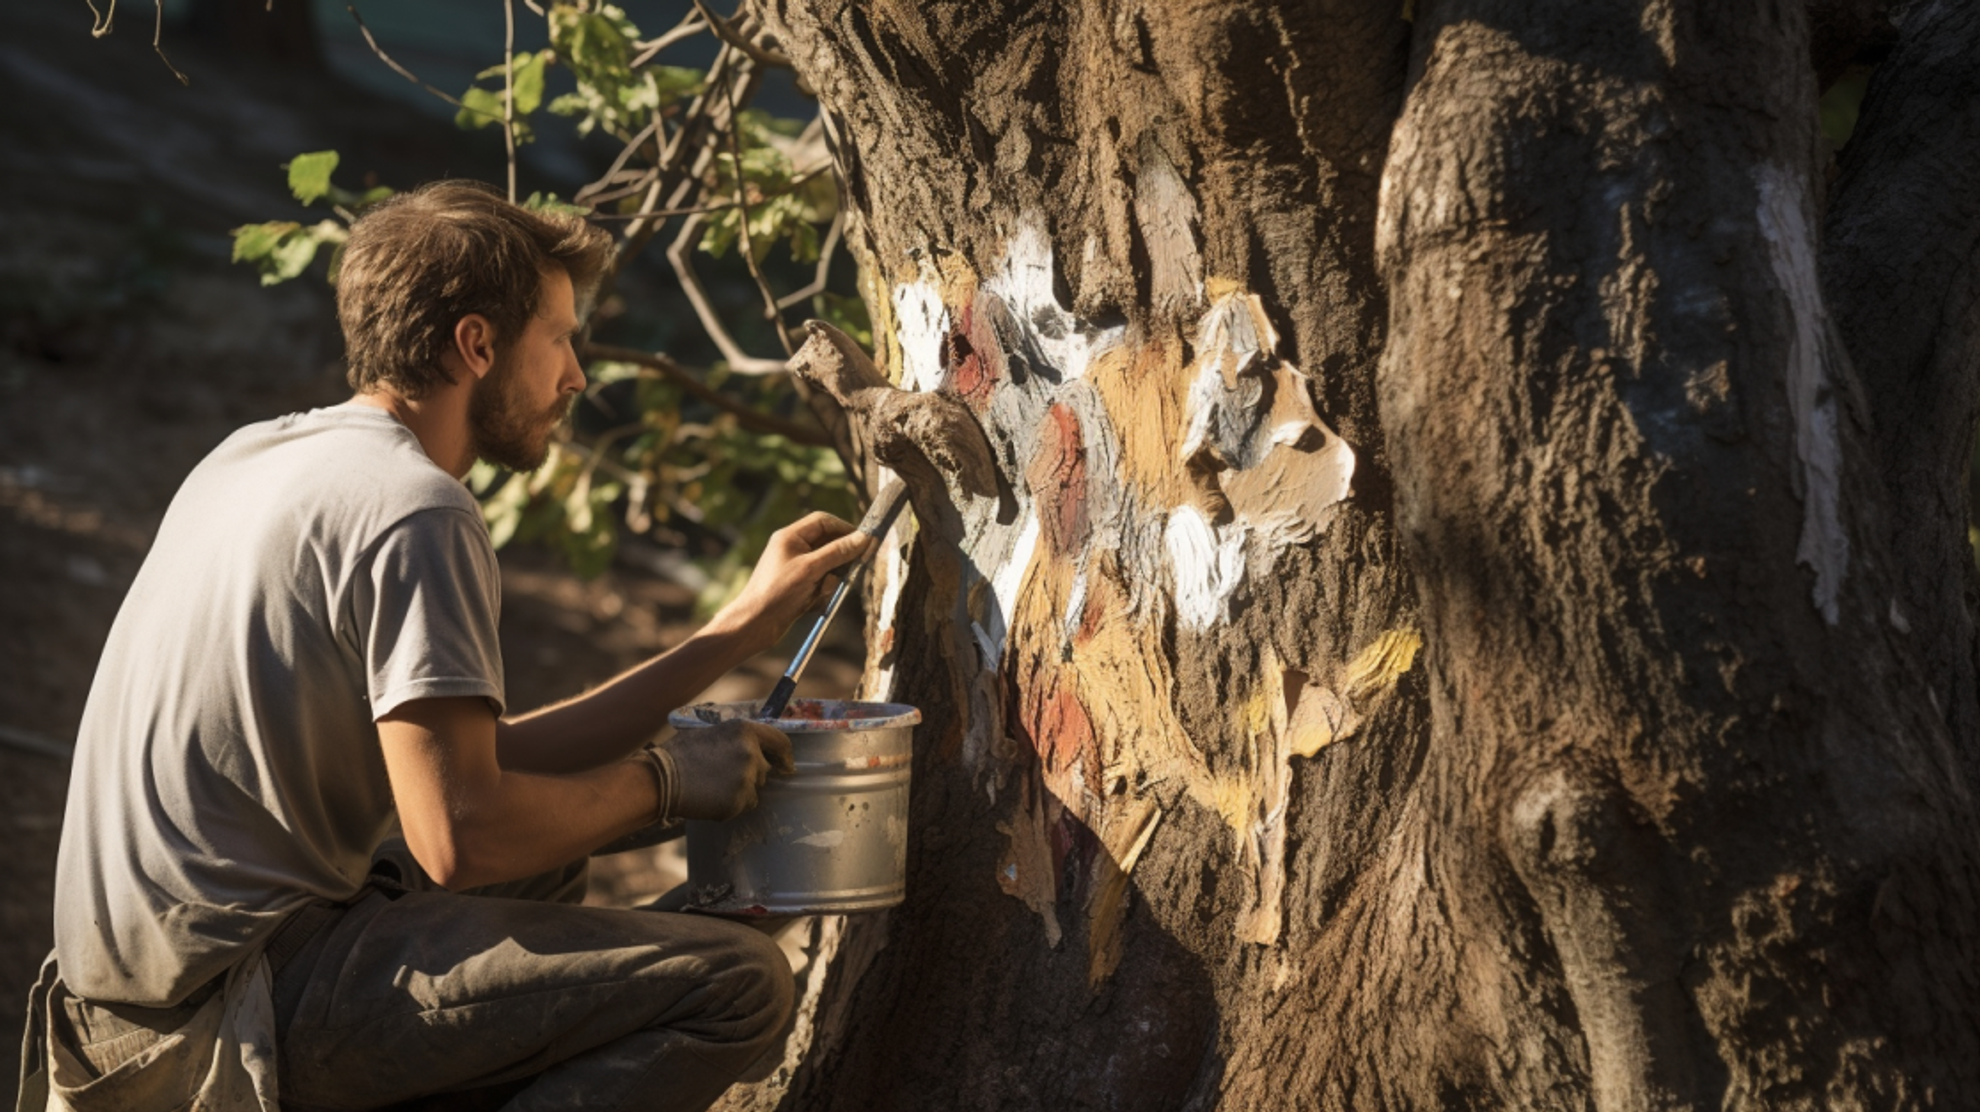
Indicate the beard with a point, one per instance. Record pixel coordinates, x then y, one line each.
505 431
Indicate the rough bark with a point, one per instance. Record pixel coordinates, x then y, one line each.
1656 584
1662 815
1901 266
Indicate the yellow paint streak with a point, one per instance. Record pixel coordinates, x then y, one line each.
1376 668
1125 838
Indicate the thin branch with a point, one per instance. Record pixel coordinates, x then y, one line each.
770 310
727 32
687 29
753 419
668 171
406 73
634 181
625 153
677 254
818 278
698 210
508 90
100 21
157 47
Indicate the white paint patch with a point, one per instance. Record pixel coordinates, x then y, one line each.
1786 214
922 320
1207 568
1005 584
1024 283
1075 611
824 839
890 565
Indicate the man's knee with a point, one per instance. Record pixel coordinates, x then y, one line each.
759 986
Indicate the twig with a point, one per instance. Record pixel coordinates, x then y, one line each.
100 21
770 311
625 153
697 210
753 419
669 176
157 37
726 31
818 278
687 29
508 90
697 296
406 73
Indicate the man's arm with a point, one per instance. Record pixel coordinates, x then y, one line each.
606 723
470 822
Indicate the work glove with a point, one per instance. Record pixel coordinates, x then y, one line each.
712 772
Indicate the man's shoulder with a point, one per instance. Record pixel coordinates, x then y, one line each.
344 458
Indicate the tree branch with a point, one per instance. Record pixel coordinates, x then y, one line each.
818 278
771 312
727 32
752 419
509 90
677 253
157 37
403 71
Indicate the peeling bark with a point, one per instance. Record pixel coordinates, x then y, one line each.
1620 792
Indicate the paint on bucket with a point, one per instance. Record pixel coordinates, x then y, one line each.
827 839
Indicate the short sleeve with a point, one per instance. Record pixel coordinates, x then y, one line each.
427 604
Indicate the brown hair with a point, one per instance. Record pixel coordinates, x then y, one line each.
419 262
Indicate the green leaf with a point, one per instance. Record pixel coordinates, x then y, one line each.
529 81
253 242
479 108
722 231
283 249
550 202
847 314
309 175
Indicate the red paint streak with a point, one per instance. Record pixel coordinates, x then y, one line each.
1059 729
1057 478
1099 593
973 357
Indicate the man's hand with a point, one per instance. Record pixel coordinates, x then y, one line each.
719 768
794 575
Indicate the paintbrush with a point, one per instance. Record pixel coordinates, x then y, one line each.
879 518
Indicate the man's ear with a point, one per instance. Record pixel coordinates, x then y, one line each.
474 344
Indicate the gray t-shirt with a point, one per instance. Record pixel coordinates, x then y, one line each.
312 574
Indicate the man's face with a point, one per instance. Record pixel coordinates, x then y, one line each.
528 392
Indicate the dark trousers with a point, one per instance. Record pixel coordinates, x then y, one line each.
411 990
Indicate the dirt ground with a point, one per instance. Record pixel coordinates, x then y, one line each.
129 347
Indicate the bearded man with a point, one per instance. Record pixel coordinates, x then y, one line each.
306 671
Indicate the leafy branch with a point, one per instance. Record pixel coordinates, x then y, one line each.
715 457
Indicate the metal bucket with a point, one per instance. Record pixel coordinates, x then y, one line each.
830 838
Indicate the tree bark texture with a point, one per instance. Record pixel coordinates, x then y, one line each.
1443 632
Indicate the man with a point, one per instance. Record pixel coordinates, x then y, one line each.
307 659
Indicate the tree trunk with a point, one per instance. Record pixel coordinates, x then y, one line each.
1433 645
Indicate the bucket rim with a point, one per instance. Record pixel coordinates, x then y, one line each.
803 716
